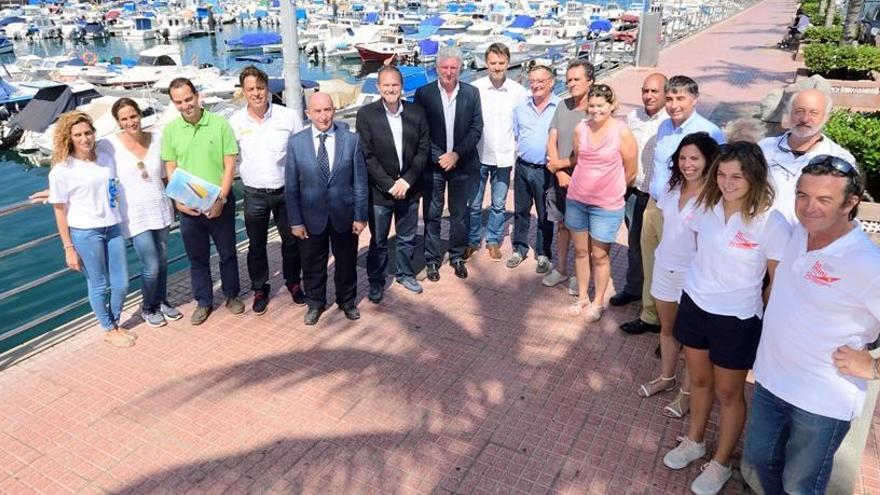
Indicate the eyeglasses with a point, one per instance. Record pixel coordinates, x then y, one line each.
113 192
844 167
539 82
143 169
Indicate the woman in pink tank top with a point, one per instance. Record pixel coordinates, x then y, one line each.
605 160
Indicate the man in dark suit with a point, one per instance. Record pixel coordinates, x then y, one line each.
325 184
455 123
394 137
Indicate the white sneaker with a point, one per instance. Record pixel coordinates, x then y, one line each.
687 452
712 479
572 286
553 279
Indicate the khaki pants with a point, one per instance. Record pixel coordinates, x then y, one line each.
652 229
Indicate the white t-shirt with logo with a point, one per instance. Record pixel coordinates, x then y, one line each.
677 245
821 300
145 206
263 145
85 188
728 270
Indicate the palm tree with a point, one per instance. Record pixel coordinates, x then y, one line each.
851 22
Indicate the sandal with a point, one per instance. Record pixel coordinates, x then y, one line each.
657 385
577 306
594 313
118 339
679 407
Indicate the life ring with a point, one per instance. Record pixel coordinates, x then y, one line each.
89 58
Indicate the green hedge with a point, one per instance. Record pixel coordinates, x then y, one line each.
812 11
860 134
841 62
820 34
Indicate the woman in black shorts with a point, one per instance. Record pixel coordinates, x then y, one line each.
739 240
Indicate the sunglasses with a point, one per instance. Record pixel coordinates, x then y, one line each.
143 170
844 167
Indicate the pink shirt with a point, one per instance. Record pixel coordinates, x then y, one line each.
599 178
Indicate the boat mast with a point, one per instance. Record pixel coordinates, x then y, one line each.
290 53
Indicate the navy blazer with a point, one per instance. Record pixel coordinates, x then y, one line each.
313 202
467 130
380 152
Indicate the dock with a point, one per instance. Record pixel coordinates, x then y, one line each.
476 386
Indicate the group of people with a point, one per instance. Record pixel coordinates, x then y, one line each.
746 255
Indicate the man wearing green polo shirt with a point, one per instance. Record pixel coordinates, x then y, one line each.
203 144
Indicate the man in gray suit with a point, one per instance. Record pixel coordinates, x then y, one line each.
326 190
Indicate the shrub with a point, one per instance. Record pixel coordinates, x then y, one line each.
820 34
812 11
841 62
860 134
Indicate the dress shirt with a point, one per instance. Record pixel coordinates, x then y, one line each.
531 127
329 143
668 139
497 145
644 128
448 101
395 121
785 167
263 145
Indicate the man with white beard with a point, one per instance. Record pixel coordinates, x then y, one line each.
788 154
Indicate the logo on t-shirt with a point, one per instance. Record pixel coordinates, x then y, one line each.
818 275
741 240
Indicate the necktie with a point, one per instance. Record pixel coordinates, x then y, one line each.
323 158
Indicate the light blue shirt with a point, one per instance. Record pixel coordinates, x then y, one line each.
532 128
668 139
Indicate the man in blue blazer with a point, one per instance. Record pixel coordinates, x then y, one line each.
455 124
326 191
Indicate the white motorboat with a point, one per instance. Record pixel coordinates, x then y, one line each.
143 28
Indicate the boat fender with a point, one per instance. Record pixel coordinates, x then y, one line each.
89 58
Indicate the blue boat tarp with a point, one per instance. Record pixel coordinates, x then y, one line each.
428 48
522 22
11 20
301 14
433 21
255 40
424 32
259 59
603 25
453 8
514 36
260 14
6 90
413 79
468 8
371 18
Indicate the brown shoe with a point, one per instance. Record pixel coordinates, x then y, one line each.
469 251
494 253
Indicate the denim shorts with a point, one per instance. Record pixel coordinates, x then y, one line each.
602 224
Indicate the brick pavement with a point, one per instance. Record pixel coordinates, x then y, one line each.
481 386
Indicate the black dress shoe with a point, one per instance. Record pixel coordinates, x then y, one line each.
622 299
313 315
376 294
432 270
637 327
351 312
460 269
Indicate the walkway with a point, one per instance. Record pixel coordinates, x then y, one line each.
482 386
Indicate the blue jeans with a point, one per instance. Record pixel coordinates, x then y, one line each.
406 223
530 186
791 450
197 233
151 248
499 182
104 264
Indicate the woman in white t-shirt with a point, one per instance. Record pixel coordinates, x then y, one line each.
673 257
146 210
739 241
84 192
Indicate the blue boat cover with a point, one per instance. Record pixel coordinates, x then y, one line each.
603 25
6 90
259 59
261 14
428 48
433 21
468 8
522 22
453 8
255 40
371 18
301 14
11 20
514 36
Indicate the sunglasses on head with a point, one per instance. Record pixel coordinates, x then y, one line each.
844 167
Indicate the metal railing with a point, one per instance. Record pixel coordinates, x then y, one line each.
55 275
